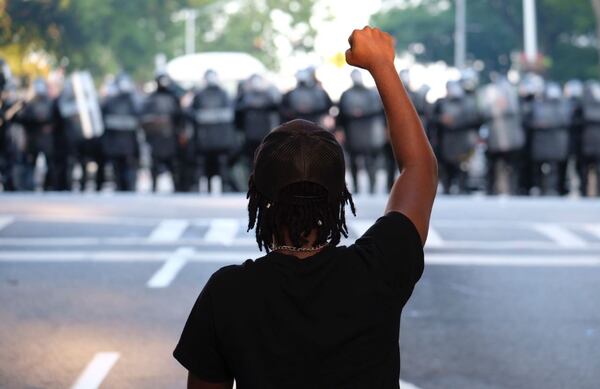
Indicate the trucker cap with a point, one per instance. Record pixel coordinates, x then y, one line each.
299 151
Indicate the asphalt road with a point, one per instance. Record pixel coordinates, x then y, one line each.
95 289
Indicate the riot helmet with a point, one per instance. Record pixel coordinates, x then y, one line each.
454 90
40 88
163 81
592 90
306 77
532 85
553 91
574 89
469 80
357 78
256 82
211 78
124 83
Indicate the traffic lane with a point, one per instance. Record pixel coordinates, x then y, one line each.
503 327
55 317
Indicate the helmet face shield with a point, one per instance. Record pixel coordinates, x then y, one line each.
574 89
455 90
40 88
553 91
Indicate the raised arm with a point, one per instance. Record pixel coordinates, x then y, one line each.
414 190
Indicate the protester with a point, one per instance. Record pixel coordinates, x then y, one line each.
309 313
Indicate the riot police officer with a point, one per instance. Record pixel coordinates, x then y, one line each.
530 87
362 119
120 146
8 109
548 120
457 122
573 92
162 121
256 113
215 135
505 135
307 101
39 120
590 137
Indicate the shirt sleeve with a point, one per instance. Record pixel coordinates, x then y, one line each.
198 348
392 247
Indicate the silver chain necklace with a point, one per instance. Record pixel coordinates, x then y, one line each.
299 249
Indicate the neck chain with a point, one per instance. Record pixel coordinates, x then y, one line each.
299 249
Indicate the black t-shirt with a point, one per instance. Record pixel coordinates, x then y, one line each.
328 321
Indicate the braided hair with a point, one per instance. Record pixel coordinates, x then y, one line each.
301 208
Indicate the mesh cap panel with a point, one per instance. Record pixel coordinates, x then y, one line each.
299 151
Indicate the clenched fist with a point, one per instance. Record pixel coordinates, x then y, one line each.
370 48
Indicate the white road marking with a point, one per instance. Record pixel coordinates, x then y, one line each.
432 259
560 235
359 227
434 239
167 273
250 243
593 229
407 385
222 231
96 371
5 221
169 230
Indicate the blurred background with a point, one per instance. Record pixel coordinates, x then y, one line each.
127 134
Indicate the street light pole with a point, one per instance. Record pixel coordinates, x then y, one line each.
460 34
530 31
189 16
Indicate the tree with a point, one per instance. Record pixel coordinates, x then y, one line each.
494 32
110 35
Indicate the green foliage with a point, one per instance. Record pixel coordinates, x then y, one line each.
495 30
112 35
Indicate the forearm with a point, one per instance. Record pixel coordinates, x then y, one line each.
407 136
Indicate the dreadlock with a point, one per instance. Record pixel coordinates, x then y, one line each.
301 208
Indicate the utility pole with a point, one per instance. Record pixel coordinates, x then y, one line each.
189 16
530 32
460 34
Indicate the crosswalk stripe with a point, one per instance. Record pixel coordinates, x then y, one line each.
593 229
222 231
359 227
560 235
169 230
172 266
96 371
5 221
407 385
434 239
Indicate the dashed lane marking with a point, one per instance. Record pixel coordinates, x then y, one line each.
172 266
96 371
5 221
169 230
222 231
560 235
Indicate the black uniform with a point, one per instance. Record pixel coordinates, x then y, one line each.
457 122
362 118
39 121
256 114
120 139
548 122
505 135
162 121
589 145
214 131
306 101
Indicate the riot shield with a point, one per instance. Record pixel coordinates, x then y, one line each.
364 121
88 106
